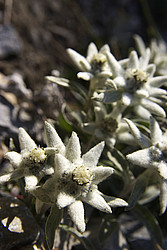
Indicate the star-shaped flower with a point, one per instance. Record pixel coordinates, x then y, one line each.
93 67
153 155
32 162
158 53
104 126
75 180
136 86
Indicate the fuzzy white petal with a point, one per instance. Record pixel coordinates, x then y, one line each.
142 112
62 165
144 158
105 75
113 201
116 68
151 68
126 99
26 143
120 82
64 200
73 148
4 178
85 76
14 157
53 139
140 44
153 107
133 60
51 150
105 48
76 212
91 158
162 170
144 59
96 200
92 50
142 93
101 173
58 80
142 140
48 170
30 182
79 60
156 132
163 196
157 92
158 81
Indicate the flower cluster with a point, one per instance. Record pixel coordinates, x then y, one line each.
132 81
119 105
72 179
123 90
128 88
158 54
137 87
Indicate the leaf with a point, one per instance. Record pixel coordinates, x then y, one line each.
141 139
52 224
84 241
138 190
120 163
151 224
58 80
108 226
117 202
150 194
64 124
12 146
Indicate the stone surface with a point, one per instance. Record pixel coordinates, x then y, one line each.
9 42
18 227
136 234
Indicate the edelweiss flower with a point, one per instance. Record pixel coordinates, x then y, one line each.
153 155
32 162
136 86
75 179
158 53
94 67
104 127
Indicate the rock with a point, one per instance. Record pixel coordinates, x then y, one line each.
7 122
18 227
135 232
9 42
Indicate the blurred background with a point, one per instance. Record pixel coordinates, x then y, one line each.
46 28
